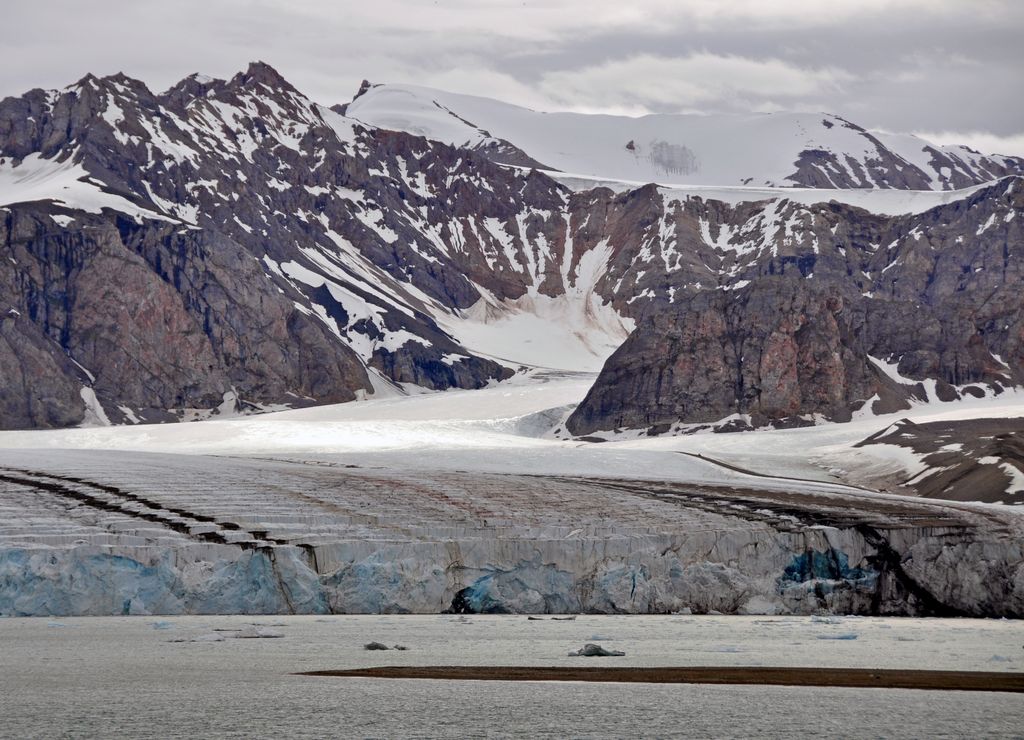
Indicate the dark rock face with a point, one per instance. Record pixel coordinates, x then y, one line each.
771 352
39 388
964 460
590 650
817 168
161 318
936 294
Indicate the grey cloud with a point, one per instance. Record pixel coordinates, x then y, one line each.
901 65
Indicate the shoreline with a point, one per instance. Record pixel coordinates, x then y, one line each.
745 676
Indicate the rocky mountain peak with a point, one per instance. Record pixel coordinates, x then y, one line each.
193 86
117 85
87 80
261 73
342 108
364 87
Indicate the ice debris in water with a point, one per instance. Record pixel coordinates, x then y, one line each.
249 632
845 636
256 632
163 625
212 637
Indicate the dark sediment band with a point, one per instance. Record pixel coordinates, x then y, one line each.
838 677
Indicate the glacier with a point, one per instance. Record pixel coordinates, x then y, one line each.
464 501
323 539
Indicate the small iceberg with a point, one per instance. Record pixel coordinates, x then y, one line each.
212 637
382 646
590 650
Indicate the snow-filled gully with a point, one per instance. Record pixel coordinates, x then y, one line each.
114 533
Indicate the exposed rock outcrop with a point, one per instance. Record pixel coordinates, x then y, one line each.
155 316
961 460
933 298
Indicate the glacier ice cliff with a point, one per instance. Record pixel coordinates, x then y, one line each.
261 537
939 573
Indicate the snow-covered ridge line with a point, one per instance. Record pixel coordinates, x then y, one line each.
781 149
886 202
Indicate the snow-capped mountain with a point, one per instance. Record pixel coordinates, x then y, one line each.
777 150
230 245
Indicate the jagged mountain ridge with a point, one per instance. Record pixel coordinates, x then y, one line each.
167 157
777 150
259 249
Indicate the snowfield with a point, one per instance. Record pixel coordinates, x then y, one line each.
510 427
873 200
64 182
756 149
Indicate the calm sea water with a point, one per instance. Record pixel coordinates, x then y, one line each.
126 677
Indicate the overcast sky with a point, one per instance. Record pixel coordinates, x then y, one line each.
950 69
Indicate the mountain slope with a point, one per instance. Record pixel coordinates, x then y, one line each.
229 245
779 149
253 167
821 311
